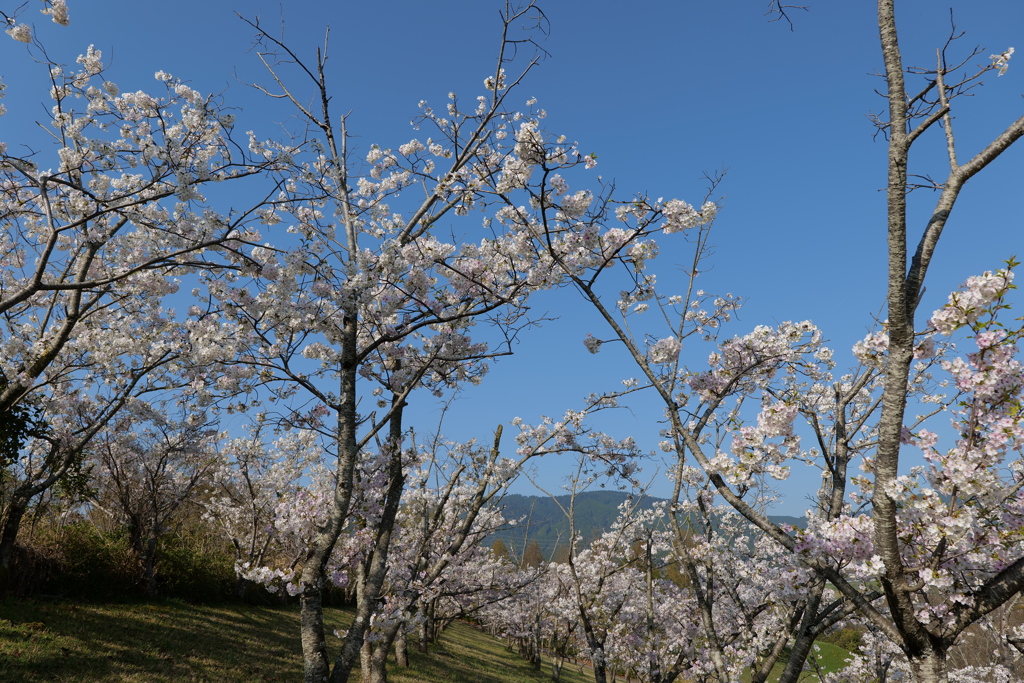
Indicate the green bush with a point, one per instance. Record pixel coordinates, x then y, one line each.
98 564
32 569
190 567
847 638
76 560
79 560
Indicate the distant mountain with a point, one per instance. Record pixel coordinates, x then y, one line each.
539 518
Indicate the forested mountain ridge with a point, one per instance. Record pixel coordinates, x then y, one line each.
541 519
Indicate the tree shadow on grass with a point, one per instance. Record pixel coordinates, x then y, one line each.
467 655
176 641
149 642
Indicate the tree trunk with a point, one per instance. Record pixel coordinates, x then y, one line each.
425 630
597 660
377 671
316 665
12 523
374 569
715 649
558 655
535 645
365 655
439 626
311 627
653 665
422 636
401 650
931 668
805 634
242 587
149 566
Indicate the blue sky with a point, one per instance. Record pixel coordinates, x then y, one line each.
661 92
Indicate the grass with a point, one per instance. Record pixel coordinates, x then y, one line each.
175 641
471 656
830 658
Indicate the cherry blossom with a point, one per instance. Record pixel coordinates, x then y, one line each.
98 229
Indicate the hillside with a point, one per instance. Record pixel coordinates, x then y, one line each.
171 641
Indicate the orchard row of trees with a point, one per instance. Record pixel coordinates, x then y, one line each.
139 315
722 605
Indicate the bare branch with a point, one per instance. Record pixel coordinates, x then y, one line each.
778 11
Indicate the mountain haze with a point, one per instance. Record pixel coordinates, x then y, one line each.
541 519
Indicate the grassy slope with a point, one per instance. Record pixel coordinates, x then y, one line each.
466 654
42 641
830 658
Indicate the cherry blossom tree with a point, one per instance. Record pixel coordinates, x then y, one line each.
745 595
438 568
525 612
248 485
370 297
601 583
98 228
145 466
731 611
938 543
357 306
923 627
746 365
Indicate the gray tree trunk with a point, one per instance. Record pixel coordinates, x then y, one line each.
931 668
402 649
376 671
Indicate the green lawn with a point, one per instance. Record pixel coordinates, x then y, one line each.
471 656
829 657
176 641
172 642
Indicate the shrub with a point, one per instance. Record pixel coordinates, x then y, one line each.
847 637
75 560
192 568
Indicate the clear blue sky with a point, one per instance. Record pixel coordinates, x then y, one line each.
661 91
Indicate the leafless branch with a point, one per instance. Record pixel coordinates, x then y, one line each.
778 11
